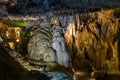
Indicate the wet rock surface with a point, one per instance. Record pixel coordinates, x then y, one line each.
57 76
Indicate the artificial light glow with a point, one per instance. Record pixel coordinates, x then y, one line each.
71 28
7 34
17 40
12 45
18 33
55 21
1 40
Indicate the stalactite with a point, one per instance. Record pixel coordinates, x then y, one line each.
95 36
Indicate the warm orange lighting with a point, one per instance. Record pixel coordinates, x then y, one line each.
71 29
7 34
1 40
54 20
17 31
18 40
12 45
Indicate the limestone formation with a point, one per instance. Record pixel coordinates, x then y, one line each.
97 41
60 47
91 36
47 42
39 47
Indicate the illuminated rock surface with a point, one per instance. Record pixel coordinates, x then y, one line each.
92 44
39 47
96 40
47 43
90 36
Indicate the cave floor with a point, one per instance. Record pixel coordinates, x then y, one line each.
12 70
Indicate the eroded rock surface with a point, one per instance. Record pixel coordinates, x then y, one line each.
47 42
95 39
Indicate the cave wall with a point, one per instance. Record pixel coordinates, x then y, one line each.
93 36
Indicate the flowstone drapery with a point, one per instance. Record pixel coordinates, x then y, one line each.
47 43
95 39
